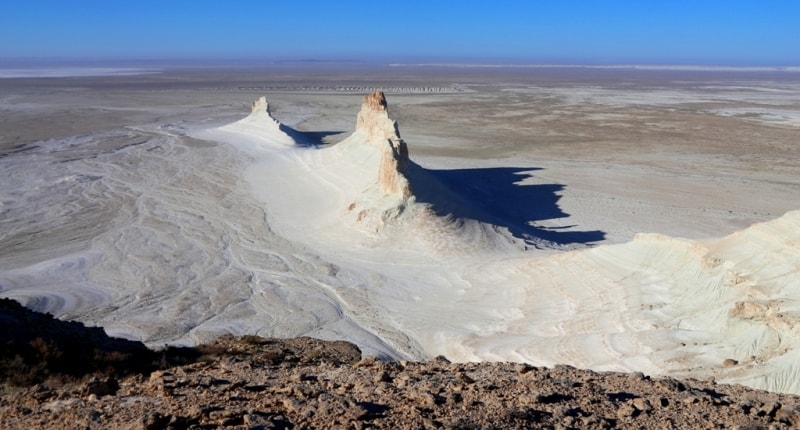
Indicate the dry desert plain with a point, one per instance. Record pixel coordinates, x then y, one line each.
606 218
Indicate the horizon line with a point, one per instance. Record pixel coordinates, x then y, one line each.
611 65
82 67
403 60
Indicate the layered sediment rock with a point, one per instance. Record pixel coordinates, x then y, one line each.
260 111
374 121
260 105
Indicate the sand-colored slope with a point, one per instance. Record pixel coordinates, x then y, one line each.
430 284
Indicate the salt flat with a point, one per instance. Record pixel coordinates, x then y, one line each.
133 204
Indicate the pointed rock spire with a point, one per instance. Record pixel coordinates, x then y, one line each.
260 105
374 121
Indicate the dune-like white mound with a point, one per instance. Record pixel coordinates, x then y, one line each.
263 129
726 308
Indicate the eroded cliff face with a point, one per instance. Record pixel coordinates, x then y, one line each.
260 105
374 121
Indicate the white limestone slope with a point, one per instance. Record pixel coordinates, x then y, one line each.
658 305
155 237
461 286
262 129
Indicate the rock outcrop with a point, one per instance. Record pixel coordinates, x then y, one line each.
258 386
374 121
253 382
260 105
265 130
260 108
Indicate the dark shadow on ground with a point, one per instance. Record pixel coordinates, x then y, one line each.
35 347
320 137
495 196
309 138
299 137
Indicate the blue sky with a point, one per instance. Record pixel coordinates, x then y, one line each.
557 31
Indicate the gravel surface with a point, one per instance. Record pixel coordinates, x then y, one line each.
256 383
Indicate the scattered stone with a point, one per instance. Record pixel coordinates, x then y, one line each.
627 410
672 385
258 423
102 387
441 359
790 415
241 389
463 377
383 377
524 368
642 404
690 400
154 421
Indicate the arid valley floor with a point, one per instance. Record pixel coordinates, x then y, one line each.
596 217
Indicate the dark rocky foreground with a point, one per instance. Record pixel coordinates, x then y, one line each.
257 383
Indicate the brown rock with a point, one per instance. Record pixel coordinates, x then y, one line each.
383 377
729 362
626 410
463 377
244 390
642 404
154 421
102 387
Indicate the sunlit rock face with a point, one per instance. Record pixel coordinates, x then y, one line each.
260 105
374 121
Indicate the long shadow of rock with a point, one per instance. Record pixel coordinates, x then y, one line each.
320 138
308 138
497 197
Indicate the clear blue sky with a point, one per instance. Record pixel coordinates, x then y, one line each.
555 31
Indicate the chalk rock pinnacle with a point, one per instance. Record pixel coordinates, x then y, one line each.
260 105
374 121
260 112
